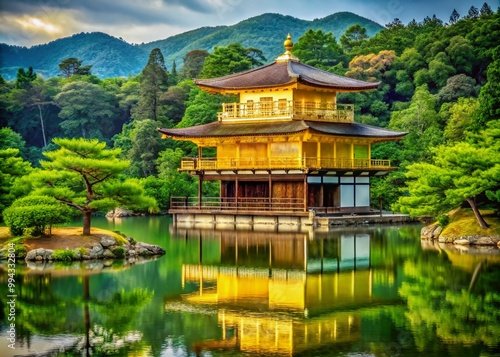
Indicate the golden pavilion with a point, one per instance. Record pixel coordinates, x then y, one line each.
286 147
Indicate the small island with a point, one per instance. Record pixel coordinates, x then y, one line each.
69 244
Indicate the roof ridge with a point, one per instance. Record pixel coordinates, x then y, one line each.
227 76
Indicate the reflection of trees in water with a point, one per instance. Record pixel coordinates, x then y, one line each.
118 313
106 326
444 301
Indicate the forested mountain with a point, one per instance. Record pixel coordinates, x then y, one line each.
109 56
113 57
265 32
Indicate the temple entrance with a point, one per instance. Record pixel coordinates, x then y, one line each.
323 195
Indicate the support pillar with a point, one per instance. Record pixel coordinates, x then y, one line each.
200 190
236 188
305 193
270 193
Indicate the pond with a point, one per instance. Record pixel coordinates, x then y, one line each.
359 291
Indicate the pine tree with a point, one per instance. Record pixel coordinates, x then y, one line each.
454 17
83 174
153 84
485 10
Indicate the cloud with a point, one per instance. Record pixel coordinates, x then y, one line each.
149 20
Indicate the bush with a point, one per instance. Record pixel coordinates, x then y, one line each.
119 252
20 251
32 214
443 220
64 255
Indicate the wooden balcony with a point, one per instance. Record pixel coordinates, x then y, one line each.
241 204
281 109
280 163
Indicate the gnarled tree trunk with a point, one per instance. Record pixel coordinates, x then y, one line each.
87 215
479 217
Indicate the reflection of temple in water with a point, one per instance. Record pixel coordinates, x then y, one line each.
285 293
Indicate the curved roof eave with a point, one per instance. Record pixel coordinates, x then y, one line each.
216 129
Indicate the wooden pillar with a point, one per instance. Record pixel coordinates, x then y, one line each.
200 189
318 154
369 154
305 193
270 188
352 154
321 194
236 188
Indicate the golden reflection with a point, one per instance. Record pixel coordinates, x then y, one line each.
284 294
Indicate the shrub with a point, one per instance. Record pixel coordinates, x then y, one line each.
443 220
32 214
63 254
20 251
119 252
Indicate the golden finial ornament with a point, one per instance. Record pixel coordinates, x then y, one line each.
288 43
287 56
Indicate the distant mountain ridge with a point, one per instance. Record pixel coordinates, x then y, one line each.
113 57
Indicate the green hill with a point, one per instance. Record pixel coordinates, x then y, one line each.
113 57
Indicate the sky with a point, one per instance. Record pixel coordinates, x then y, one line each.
32 22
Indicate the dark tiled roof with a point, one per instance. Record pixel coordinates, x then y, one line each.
218 129
353 129
283 73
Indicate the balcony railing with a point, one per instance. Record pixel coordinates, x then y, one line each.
274 163
342 113
240 204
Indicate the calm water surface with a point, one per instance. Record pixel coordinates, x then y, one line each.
370 291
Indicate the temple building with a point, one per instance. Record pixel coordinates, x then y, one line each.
286 146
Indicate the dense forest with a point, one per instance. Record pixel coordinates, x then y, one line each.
439 82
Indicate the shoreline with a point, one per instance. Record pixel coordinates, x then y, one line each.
69 245
463 230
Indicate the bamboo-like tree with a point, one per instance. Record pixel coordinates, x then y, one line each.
83 174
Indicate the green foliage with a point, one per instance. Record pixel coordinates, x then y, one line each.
353 37
459 86
462 118
170 182
65 255
443 220
460 173
202 107
193 64
420 119
24 78
119 252
154 81
175 100
73 66
12 167
319 49
83 174
32 214
231 59
9 139
146 143
87 110
439 303
489 108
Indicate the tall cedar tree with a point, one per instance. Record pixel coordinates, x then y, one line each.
153 84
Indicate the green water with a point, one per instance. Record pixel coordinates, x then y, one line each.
370 291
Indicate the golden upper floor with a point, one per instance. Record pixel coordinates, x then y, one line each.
285 89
